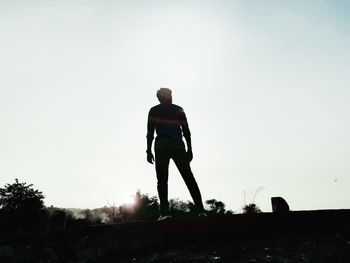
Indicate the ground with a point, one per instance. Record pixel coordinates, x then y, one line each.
302 236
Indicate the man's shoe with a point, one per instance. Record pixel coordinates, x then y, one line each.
164 217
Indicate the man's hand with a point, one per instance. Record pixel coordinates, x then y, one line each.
150 157
189 155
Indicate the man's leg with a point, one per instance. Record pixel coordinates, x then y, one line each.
181 160
162 169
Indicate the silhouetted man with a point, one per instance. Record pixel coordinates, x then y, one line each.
170 123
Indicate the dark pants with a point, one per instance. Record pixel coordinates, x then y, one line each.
180 158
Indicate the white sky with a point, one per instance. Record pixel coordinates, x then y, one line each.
265 86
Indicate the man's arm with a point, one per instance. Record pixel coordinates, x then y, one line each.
150 137
186 133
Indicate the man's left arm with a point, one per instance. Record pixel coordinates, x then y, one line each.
186 133
150 137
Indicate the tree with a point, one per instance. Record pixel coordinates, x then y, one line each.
180 208
16 196
144 208
22 206
216 207
251 209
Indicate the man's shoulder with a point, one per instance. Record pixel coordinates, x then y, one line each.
177 106
154 107
159 107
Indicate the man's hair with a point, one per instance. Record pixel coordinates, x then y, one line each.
164 94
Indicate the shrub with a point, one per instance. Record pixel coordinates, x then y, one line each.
251 209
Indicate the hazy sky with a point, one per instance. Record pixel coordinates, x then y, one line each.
265 86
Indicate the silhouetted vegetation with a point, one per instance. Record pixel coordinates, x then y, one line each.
217 208
251 209
22 208
180 208
147 208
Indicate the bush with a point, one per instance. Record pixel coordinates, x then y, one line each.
251 209
217 208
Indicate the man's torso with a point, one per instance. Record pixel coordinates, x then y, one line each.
167 119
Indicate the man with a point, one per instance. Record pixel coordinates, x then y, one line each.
169 121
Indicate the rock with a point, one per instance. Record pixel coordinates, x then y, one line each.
279 205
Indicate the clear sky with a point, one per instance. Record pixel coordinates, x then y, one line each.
265 86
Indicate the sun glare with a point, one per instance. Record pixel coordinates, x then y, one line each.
127 199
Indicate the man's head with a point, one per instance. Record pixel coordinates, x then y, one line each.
164 95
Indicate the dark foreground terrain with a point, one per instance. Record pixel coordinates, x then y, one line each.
300 236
